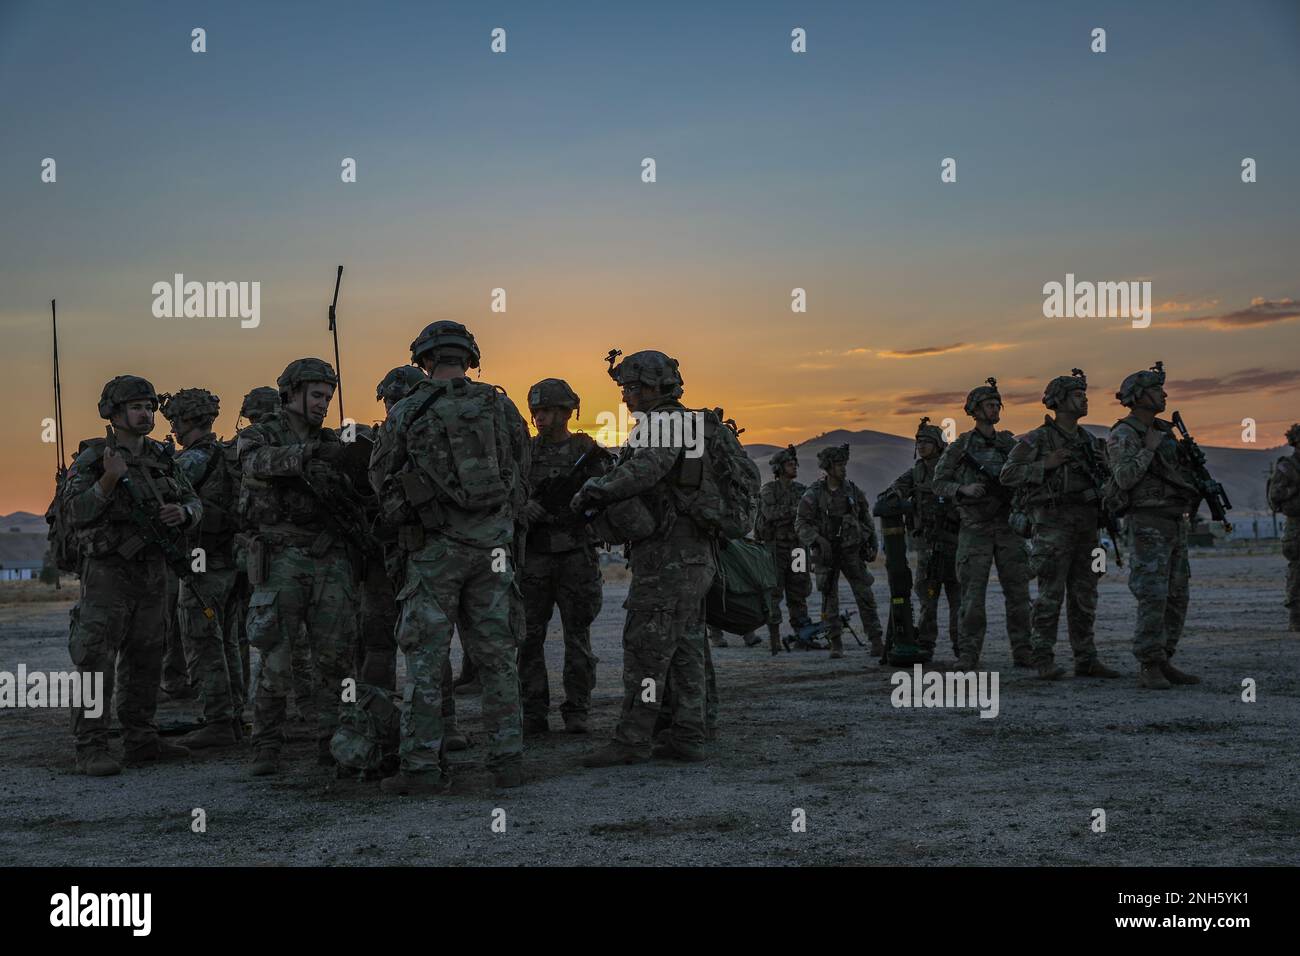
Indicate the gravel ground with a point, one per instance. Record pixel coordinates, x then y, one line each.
1190 776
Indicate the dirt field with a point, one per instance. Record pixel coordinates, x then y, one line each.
1189 776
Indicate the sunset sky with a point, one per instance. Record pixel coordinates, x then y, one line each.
775 170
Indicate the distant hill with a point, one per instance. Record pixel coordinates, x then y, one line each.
877 458
23 522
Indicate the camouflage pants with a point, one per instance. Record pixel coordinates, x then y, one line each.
979 548
117 631
664 721
1158 576
176 677
663 642
945 582
306 603
795 585
211 645
1061 558
449 583
1291 551
854 570
571 580
238 625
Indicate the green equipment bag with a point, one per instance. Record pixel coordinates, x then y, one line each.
740 599
369 731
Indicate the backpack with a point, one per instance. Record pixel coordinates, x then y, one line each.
465 453
62 541
369 731
719 490
740 598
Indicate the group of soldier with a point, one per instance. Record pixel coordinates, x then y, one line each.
328 551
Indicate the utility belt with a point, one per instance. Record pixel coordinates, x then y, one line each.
1163 511
317 543
127 545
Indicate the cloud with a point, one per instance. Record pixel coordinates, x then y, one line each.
936 401
1173 305
927 350
1245 380
1261 311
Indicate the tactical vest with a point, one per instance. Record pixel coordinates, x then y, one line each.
1068 484
265 502
932 517
215 478
837 513
1167 483
114 531
552 461
778 506
992 455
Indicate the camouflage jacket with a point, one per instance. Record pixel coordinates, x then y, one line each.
1067 484
212 467
552 461
414 451
931 515
1284 485
275 463
103 524
955 470
778 507
1153 480
841 516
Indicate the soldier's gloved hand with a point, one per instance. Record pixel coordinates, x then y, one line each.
587 495
534 513
172 515
1056 459
330 451
972 490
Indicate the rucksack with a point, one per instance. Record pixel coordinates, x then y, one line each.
62 541
465 453
369 731
719 490
740 598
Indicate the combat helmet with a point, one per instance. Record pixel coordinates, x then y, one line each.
1059 388
830 455
982 393
123 389
397 384
1147 378
189 404
304 370
553 393
930 433
647 368
1293 434
787 453
260 403
445 334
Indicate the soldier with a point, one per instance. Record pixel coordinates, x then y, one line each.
1284 496
967 473
377 653
211 645
299 560
561 567
117 625
778 505
834 521
1157 491
936 526
1057 465
450 470
672 563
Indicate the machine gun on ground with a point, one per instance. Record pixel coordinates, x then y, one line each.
901 646
1210 490
808 634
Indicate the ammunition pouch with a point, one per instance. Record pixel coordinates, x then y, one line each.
422 498
258 559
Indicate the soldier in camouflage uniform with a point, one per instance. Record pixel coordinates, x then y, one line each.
936 526
778 505
672 563
450 470
1154 486
561 568
967 473
117 624
211 645
1284 496
299 559
1051 465
834 521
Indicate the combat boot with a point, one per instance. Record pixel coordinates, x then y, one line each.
666 748
508 775
155 752
1094 668
98 763
432 783
575 723
536 726
613 755
718 639
1047 670
265 762
752 639
454 740
1175 676
837 648
1152 677
774 638
211 736
1023 657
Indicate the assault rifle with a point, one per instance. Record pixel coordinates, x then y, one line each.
1098 474
554 494
1210 490
144 517
992 478
345 517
